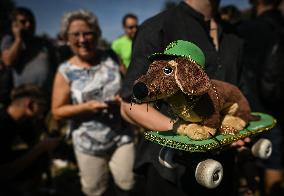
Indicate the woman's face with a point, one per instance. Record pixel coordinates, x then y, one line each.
81 39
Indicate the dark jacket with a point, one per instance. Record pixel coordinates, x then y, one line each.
180 23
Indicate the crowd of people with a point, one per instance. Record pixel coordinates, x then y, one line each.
79 92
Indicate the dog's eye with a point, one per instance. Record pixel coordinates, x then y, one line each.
167 70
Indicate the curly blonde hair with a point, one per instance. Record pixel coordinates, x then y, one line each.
84 15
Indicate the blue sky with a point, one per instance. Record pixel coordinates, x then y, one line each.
49 12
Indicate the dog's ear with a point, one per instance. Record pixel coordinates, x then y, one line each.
191 79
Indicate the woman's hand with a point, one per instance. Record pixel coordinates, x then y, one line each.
94 106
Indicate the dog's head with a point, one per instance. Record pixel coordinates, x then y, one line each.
166 77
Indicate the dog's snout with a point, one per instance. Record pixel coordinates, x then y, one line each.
140 90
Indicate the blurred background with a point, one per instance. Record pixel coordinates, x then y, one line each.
49 13
47 49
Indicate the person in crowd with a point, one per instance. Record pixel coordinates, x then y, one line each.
230 14
122 46
30 57
84 92
263 76
191 20
18 166
63 50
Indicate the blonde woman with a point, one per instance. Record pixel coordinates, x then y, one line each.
84 87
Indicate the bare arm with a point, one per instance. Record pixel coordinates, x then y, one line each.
148 118
11 55
61 106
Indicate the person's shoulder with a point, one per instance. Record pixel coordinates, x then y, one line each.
231 32
158 19
120 40
44 42
64 66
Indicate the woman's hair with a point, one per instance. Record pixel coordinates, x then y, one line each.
84 15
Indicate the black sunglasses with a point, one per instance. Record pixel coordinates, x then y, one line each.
132 27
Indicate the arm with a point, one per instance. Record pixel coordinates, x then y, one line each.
11 55
146 42
61 106
145 116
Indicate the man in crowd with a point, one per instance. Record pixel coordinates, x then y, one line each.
122 46
18 165
191 20
31 58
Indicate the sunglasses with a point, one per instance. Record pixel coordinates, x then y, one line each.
86 35
132 27
23 21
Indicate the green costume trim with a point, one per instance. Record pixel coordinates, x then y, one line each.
182 142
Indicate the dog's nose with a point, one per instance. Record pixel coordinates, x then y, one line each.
140 90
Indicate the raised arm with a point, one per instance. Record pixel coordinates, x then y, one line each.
11 53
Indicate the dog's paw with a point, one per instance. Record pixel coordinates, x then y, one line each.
195 131
232 124
230 109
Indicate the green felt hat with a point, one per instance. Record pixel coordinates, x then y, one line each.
181 48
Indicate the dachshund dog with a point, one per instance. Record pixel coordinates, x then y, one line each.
203 106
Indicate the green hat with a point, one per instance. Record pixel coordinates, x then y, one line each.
181 48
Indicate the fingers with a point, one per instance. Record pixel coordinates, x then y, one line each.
238 143
94 106
241 143
247 140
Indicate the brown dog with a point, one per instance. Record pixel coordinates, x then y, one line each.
204 105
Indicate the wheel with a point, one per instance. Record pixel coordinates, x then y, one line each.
166 157
209 173
262 148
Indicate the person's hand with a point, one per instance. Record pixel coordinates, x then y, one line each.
94 106
241 143
115 100
17 29
48 144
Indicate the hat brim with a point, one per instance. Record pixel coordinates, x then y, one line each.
162 56
159 56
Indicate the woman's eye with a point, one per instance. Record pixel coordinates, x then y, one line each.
167 70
